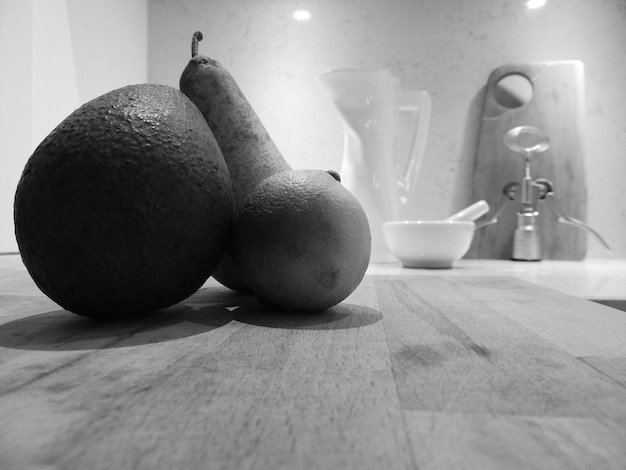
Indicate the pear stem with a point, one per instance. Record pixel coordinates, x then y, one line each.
197 36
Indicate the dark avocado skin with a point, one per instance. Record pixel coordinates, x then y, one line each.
126 206
249 151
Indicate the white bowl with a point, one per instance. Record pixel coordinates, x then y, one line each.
428 244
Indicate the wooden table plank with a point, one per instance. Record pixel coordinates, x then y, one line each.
479 390
437 371
451 353
489 441
259 390
614 367
580 327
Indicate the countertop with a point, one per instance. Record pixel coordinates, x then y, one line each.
473 367
597 279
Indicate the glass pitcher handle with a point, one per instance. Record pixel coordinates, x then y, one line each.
418 102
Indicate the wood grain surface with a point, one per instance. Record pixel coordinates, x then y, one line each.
410 372
557 108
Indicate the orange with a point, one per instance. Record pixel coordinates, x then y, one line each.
301 240
126 206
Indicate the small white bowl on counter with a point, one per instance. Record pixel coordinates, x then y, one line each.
428 244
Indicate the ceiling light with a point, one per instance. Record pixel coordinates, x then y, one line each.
532 4
301 15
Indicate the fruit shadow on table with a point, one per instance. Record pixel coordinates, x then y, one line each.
208 309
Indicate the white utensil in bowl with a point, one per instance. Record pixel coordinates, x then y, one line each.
471 213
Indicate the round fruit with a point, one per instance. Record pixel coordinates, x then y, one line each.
126 206
301 240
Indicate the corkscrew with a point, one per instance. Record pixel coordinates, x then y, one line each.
529 141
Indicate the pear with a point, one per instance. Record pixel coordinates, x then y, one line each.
250 153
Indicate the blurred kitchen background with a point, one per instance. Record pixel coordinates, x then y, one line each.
57 54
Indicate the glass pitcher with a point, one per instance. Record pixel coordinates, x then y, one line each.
385 131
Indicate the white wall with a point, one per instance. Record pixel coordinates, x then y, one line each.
447 47
56 55
16 17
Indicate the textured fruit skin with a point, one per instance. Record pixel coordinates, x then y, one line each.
249 151
125 207
301 240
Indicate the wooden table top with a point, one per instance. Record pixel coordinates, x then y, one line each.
410 372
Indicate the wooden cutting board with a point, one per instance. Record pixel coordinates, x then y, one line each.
557 108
